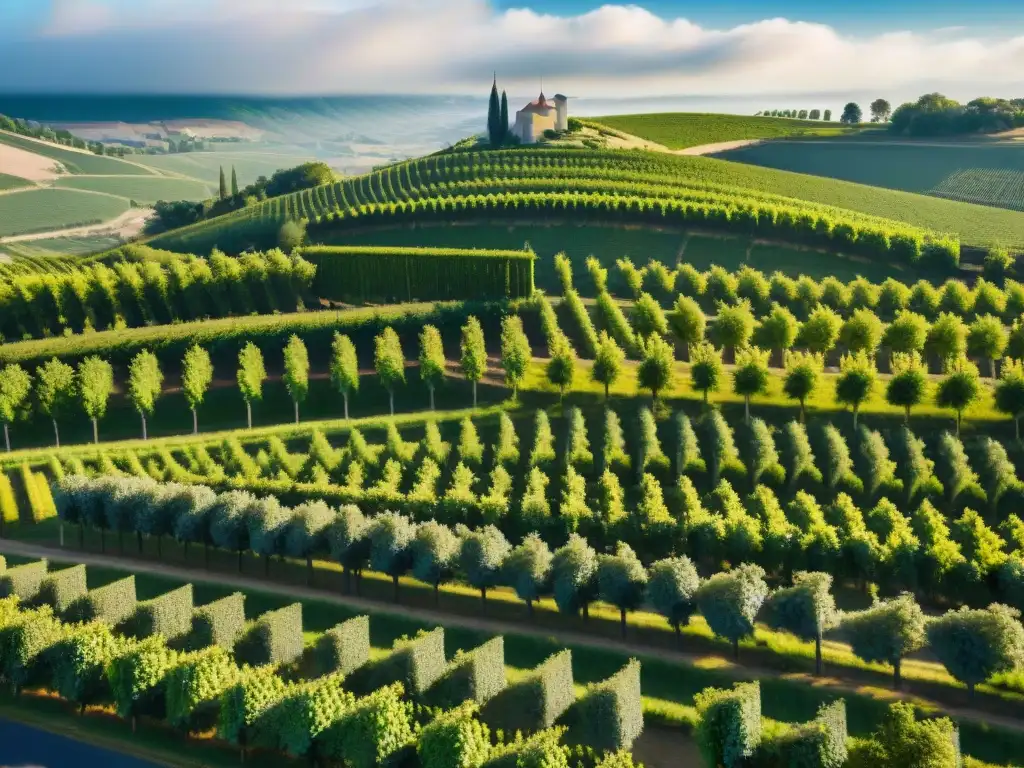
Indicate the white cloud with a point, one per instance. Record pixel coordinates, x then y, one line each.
451 46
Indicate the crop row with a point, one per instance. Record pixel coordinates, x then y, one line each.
207 667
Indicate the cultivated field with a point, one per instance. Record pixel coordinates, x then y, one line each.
40 210
142 189
73 160
205 166
12 182
985 173
684 129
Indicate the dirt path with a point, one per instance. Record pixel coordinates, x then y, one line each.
126 226
566 637
711 149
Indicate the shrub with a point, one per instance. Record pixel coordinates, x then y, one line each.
303 713
274 638
344 647
62 588
729 729
26 642
372 731
477 675
79 662
455 739
541 750
246 704
137 677
195 686
23 581
416 662
169 615
609 715
112 604
820 743
221 622
537 700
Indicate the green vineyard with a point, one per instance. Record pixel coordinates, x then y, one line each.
987 186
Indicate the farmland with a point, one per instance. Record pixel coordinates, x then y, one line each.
689 129
40 210
985 173
142 189
12 182
74 161
205 166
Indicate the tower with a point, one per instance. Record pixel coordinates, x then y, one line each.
561 112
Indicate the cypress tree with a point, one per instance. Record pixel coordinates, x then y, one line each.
503 120
494 115
223 184
234 182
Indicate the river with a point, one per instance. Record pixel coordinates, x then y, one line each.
22 746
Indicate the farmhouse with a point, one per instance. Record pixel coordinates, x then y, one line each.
539 116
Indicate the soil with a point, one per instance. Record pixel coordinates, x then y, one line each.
28 165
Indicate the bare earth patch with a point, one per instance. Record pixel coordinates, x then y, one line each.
711 149
28 165
126 226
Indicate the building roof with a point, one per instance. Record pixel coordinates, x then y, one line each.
540 105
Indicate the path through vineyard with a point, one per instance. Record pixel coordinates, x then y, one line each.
660 741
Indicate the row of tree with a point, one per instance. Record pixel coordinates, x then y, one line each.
973 644
497 116
936 115
799 114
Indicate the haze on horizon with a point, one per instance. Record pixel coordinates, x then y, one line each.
313 47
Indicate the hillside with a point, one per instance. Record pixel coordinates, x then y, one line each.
680 130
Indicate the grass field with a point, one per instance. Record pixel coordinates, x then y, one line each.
988 174
206 166
74 161
679 130
12 182
66 246
141 189
40 210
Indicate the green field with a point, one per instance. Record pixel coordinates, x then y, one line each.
679 130
206 165
141 189
65 246
988 174
73 160
39 210
13 182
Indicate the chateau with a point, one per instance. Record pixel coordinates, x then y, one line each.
539 116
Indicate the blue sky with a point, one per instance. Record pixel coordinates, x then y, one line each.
771 48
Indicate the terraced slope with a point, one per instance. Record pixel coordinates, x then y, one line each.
653 176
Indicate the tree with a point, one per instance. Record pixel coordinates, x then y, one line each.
803 372
435 549
959 389
503 117
975 644
906 334
145 382
1009 392
608 360
528 569
828 115
515 352
574 576
857 376
655 371
648 318
908 383
807 609
251 375
494 116
15 387
55 391
561 368
851 114
947 338
390 535
432 362
687 323
474 353
814 114
234 182
777 332
344 367
296 371
821 331
986 337
730 601
733 326
886 632
750 377
902 740
290 236
672 590
621 580
862 331
389 362
196 377
482 552
223 185
880 111
95 385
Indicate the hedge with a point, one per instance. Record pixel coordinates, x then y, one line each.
137 677
112 604
609 716
373 731
345 647
416 662
394 274
169 615
246 705
454 739
8 503
274 638
477 675
195 686
23 581
294 723
25 642
221 622
820 743
541 750
79 663
538 700
729 730
61 589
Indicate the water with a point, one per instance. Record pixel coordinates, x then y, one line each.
25 747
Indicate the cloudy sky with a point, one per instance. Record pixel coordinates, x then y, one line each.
581 47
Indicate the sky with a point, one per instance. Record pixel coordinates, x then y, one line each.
767 48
